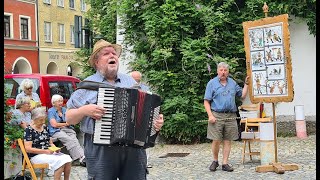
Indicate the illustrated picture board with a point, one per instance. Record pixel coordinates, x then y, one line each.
268 59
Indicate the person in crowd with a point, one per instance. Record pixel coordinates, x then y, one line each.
27 87
137 76
21 116
106 162
59 129
37 141
219 103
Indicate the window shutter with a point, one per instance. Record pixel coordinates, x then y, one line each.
77 31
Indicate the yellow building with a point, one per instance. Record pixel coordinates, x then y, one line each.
60 35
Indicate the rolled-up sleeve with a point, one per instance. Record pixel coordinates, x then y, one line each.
81 97
238 90
209 91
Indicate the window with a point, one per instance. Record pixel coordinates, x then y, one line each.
25 27
47 1
72 34
83 5
61 33
71 4
7 27
47 32
14 88
60 3
64 88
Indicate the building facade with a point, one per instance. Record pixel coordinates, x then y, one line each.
60 35
20 36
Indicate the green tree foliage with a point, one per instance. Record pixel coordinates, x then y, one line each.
175 41
11 132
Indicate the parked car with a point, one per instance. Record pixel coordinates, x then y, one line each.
45 85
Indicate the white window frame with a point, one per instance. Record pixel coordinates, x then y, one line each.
29 26
60 3
74 4
47 1
83 5
72 34
11 24
50 32
62 33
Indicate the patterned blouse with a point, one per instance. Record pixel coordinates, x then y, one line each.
40 140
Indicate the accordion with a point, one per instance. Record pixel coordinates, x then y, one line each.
129 117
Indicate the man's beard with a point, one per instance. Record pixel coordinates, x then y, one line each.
109 73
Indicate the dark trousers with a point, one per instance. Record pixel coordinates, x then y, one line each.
111 162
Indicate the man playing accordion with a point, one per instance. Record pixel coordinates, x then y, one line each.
106 162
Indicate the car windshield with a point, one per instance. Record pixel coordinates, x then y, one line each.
13 88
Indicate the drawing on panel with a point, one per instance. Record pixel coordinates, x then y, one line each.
257 60
274 55
268 59
256 39
276 71
259 83
273 35
278 87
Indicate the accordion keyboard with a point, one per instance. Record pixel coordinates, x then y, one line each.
103 127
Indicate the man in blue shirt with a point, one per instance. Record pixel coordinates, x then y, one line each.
137 76
106 162
219 102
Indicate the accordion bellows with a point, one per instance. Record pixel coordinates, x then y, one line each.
129 117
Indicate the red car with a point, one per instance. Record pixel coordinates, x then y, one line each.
45 85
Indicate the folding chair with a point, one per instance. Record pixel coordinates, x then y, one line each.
26 164
251 134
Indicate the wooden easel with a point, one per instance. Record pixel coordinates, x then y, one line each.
277 167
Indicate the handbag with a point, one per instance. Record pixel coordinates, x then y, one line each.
21 177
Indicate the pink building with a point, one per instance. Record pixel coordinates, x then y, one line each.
20 37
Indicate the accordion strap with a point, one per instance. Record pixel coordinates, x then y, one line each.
92 85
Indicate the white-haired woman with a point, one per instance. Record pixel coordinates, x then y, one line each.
21 116
37 142
27 87
62 131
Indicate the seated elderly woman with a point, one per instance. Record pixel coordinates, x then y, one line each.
21 116
59 129
37 142
27 87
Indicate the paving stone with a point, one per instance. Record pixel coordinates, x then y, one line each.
195 166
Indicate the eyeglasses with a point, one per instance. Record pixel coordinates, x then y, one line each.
30 88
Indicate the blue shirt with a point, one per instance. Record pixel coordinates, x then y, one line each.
18 117
53 114
144 87
84 96
222 98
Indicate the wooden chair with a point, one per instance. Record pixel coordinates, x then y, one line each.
26 164
249 136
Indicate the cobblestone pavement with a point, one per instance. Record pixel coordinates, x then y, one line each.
195 165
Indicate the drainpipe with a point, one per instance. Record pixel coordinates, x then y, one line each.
37 31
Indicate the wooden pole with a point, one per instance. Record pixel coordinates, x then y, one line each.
265 9
275 133
279 168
